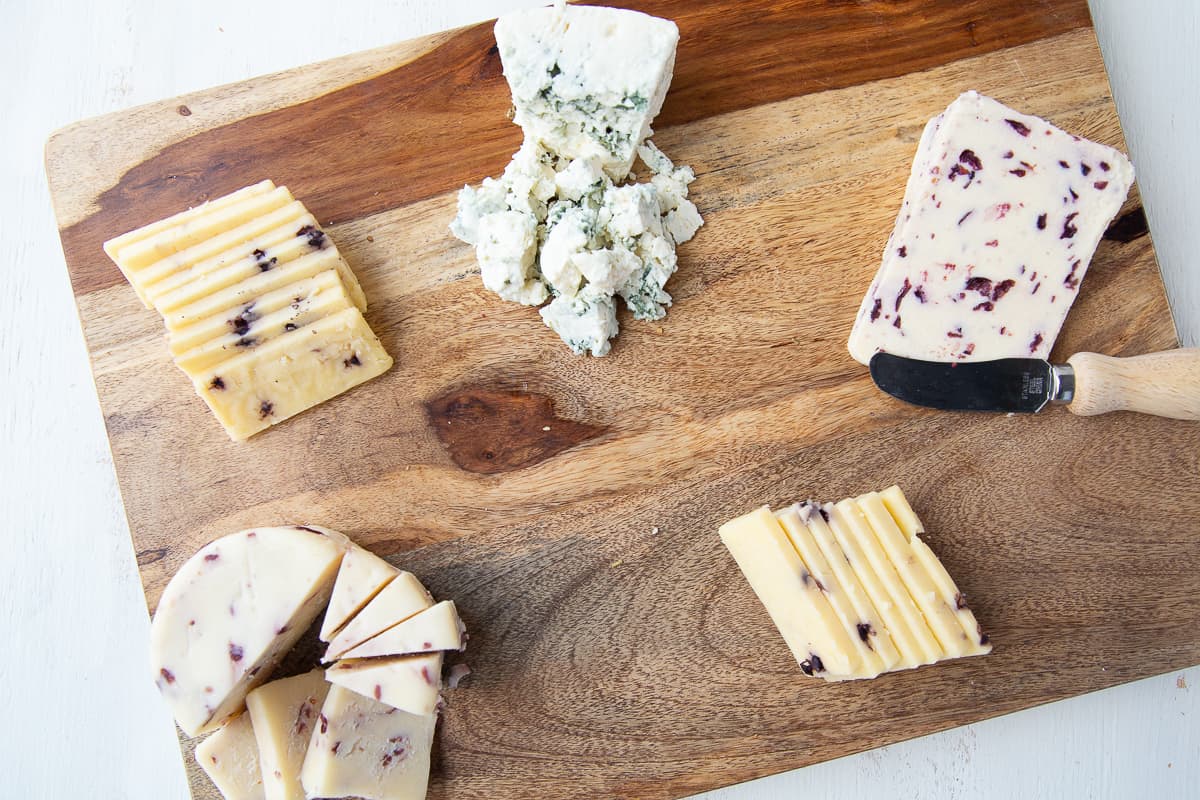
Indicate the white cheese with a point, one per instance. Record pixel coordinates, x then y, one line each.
403 597
586 80
363 748
1000 219
562 222
232 611
284 714
436 628
361 577
230 759
506 246
585 321
409 683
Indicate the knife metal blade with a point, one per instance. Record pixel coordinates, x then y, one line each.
1021 385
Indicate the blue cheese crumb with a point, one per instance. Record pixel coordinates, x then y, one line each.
557 224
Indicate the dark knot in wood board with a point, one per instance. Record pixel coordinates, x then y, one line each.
490 431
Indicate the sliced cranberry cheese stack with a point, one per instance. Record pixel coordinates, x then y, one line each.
1001 217
852 588
232 612
262 312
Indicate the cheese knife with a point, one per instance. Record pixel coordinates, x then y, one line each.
1165 384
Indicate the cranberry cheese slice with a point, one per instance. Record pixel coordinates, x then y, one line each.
232 611
409 683
1000 219
362 576
292 373
284 714
312 301
400 599
364 748
888 592
840 594
793 597
117 246
436 628
254 294
246 316
229 757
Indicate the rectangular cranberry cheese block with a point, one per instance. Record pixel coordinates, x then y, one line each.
363 748
852 588
229 757
1000 219
246 274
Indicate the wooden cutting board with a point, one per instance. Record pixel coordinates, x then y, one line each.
570 505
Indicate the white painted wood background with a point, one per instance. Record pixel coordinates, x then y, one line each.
80 717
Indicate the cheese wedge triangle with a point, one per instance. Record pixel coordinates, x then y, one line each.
403 597
362 576
409 683
229 757
436 628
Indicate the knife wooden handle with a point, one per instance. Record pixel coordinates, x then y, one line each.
1165 384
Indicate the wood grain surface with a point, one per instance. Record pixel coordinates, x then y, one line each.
611 660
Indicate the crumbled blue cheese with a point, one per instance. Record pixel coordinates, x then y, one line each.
558 224
586 80
506 246
585 321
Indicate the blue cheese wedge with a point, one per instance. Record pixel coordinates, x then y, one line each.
852 588
587 81
568 222
1001 217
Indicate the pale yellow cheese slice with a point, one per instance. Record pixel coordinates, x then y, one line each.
217 325
363 576
436 628
939 615
292 373
271 251
402 598
232 611
229 756
311 306
227 247
366 749
285 713
898 506
798 531
223 246
136 257
860 598
114 246
409 683
793 599
252 289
